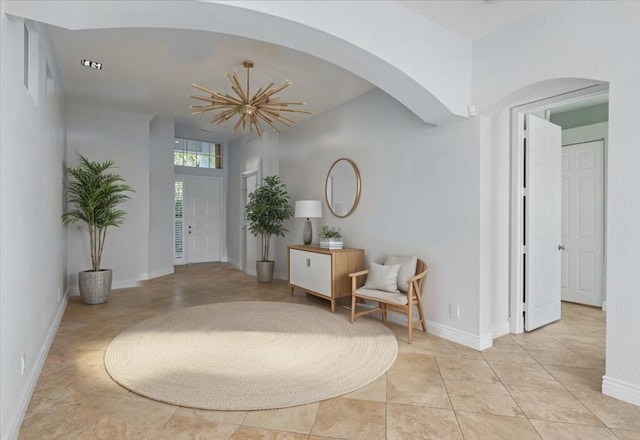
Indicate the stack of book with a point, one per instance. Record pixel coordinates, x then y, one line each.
331 243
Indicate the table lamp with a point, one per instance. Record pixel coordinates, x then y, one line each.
308 209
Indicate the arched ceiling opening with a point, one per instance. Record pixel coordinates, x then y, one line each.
430 76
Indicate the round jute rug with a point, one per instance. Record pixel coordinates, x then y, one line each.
249 355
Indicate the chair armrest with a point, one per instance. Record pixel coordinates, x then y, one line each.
417 277
358 274
354 279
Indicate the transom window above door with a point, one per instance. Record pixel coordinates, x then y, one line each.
197 154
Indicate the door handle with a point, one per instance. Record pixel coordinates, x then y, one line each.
560 247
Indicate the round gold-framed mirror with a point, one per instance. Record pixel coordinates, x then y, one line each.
342 187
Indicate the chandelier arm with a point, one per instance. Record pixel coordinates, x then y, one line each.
265 96
259 95
218 99
284 103
224 116
235 127
283 86
236 81
204 89
284 118
240 93
203 98
206 108
267 120
254 121
277 116
232 99
288 110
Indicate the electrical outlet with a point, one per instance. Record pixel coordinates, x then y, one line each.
457 312
454 311
23 364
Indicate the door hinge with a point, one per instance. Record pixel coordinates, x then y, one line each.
524 192
524 249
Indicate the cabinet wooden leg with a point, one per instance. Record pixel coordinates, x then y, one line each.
291 292
333 306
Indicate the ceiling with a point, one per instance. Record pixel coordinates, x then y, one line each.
150 71
473 19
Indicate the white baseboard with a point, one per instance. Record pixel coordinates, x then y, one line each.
281 276
604 305
481 342
498 330
160 273
34 374
124 284
621 390
443 331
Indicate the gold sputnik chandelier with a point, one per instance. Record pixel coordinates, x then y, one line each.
263 105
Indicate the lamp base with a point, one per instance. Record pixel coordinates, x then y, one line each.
307 232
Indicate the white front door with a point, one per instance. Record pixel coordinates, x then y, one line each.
583 222
202 212
542 228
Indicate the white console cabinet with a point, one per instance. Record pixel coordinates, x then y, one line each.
323 272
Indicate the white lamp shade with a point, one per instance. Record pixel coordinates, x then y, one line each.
309 208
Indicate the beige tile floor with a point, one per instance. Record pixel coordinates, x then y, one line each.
545 384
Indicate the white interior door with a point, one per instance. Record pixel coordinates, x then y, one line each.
583 222
252 244
202 199
542 228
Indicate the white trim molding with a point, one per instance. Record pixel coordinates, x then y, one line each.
621 390
34 373
477 342
501 329
160 273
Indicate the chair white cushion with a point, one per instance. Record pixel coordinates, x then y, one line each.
407 269
388 297
382 277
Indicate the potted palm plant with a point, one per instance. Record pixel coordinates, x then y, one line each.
94 196
266 212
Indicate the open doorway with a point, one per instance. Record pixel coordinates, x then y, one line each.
558 206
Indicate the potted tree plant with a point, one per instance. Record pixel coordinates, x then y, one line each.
94 196
266 212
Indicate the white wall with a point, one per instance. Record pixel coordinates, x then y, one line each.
161 193
32 258
420 196
101 134
585 40
250 153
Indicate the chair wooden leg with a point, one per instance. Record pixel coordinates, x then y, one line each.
410 321
383 310
353 308
421 313
291 291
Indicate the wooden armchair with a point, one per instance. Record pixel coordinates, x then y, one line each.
396 301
